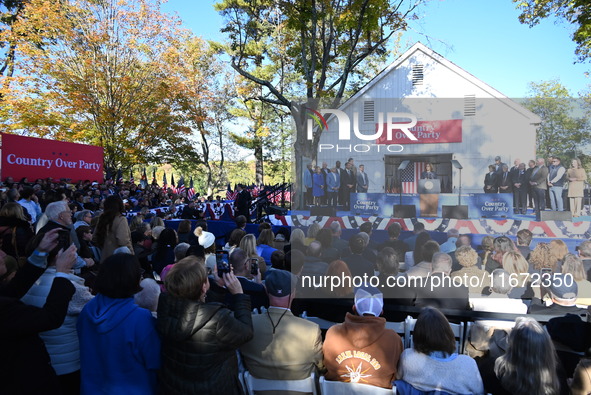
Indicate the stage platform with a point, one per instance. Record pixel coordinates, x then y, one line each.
579 228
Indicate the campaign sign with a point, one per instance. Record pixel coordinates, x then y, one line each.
488 205
41 158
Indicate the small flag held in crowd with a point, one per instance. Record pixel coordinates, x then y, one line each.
172 184
164 182
144 180
191 190
181 186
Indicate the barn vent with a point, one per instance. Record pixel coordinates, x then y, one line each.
369 111
469 105
417 74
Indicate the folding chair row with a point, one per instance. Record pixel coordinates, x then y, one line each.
308 385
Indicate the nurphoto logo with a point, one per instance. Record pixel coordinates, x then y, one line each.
390 126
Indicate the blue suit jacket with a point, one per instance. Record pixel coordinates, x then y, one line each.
331 183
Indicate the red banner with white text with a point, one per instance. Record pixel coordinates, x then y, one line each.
41 158
426 132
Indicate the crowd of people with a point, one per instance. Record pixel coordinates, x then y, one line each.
94 302
543 184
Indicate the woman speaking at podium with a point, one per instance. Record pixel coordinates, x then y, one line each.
429 173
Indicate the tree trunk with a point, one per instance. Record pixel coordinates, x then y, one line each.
258 154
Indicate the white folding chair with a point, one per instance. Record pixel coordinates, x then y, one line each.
457 329
322 323
398 327
307 385
341 388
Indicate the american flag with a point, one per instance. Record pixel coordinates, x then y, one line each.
231 195
191 190
411 175
172 185
181 187
131 179
164 182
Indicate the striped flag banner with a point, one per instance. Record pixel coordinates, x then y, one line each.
411 175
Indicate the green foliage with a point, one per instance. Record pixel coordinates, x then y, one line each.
564 130
575 12
299 52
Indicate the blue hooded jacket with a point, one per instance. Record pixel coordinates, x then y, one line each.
119 348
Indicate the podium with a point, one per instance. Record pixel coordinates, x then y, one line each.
429 191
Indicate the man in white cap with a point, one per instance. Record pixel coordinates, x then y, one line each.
563 292
285 347
362 350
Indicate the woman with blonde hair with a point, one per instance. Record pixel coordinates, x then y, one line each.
515 264
312 232
576 176
540 258
249 245
296 241
136 222
574 266
558 250
266 246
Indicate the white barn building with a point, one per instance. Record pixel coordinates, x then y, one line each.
459 117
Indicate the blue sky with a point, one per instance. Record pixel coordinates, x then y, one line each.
484 37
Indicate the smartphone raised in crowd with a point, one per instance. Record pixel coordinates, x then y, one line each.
254 266
222 262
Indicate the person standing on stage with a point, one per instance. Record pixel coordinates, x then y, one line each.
325 172
490 180
308 184
351 161
347 185
333 184
504 181
519 181
531 165
429 173
362 180
318 186
498 165
576 186
512 172
340 172
242 202
538 182
556 180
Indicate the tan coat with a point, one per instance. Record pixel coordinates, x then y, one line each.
362 350
576 188
118 235
289 354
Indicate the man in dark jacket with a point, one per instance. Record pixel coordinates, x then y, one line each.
24 361
200 339
241 264
242 202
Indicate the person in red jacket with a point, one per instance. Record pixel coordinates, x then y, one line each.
361 349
